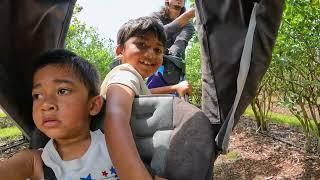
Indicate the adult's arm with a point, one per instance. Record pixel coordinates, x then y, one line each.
119 137
181 42
184 18
178 23
26 164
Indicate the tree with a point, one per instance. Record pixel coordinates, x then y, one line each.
86 42
295 69
193 70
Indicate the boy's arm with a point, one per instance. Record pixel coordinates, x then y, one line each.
26 164
182 89
119 138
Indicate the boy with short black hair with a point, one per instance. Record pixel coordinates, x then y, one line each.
140 49
65 91
138 27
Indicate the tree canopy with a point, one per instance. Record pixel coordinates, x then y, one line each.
86 42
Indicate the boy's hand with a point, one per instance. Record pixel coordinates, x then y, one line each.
183 88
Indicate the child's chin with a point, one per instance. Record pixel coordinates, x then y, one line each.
55 135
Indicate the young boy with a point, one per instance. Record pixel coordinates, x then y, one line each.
65 93
140 48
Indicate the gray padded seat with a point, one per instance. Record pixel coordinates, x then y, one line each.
173 137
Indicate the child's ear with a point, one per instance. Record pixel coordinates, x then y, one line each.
119 50
95 105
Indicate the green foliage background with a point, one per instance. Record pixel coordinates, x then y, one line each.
86 42
193 70
293 78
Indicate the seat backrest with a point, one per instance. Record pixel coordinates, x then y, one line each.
152 126
173 137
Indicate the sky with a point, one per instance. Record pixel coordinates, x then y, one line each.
108 15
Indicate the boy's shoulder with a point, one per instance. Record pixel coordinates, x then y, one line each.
127 75
123 71
125 67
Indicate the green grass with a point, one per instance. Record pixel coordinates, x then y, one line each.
233 155
10 132
288 120
2 114
277 118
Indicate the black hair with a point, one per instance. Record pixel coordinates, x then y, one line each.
85 71
140 26
165 10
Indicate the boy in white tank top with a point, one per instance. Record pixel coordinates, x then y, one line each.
65 93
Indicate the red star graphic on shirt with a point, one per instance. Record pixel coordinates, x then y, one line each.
104 173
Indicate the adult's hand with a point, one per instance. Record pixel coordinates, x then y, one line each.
184 18
190 13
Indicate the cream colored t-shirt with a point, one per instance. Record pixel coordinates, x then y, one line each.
126 75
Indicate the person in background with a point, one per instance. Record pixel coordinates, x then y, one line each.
177 26
179 30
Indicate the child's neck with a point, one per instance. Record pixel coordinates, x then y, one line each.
73 148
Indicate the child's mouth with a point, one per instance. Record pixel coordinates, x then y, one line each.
50 123
146 63
176 7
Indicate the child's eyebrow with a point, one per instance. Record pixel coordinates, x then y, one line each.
141 37
57 81
160 44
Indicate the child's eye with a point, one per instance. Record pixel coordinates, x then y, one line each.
63 91
158 50
36 96
141 44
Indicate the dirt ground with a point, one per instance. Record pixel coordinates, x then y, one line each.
253 155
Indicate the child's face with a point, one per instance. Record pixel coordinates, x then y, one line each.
179 3
61 106
144 53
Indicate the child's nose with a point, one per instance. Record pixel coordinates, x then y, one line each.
150 53
49 105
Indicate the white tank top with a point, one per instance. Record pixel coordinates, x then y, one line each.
94 164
